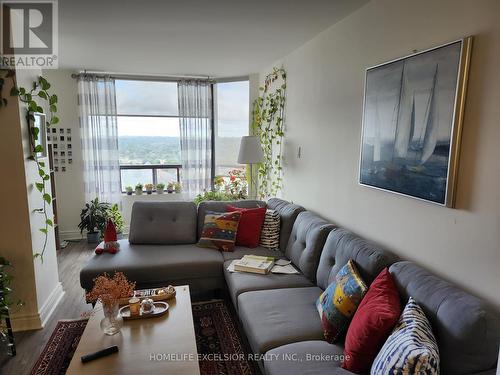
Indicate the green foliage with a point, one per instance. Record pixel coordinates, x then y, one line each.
267 123
114 214
93 216
160 186
139 186
230 188
34 99
5 291
214 196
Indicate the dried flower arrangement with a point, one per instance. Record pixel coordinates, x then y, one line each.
109 289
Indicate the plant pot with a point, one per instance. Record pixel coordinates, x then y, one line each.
149 192
129 192
138 191
93 237
159 191
170 191
178 191
112 322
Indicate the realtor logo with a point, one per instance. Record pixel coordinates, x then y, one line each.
28 34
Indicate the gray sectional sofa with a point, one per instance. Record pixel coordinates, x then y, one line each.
278 312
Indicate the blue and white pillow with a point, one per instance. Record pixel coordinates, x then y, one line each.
411 348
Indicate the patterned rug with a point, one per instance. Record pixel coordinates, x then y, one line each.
218 341
57 354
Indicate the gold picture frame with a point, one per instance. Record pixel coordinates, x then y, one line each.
413 115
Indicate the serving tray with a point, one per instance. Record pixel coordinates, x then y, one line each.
160 308
156 294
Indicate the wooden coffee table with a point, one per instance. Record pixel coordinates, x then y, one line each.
161 345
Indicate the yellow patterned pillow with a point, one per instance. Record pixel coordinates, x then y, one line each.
219 230
338 303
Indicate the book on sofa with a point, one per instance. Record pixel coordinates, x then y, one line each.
254 264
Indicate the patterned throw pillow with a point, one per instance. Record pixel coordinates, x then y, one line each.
270 233
338 303
411 348
219 230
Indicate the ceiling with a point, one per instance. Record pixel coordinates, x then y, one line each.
219 38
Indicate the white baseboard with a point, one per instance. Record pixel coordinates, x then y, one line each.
51 303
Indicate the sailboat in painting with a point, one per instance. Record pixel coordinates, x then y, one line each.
408 123
431 123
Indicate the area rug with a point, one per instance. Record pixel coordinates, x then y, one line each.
219 343
57 354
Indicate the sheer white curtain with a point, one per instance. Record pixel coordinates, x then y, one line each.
99 133
195 118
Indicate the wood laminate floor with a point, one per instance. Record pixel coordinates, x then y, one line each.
30 344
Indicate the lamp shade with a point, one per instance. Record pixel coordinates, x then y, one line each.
250 150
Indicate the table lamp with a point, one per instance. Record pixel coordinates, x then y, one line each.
251 153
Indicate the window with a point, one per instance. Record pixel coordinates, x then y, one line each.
232 122
148 132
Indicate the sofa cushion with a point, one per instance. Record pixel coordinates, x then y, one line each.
219 230
156 265
163 223
216 206
374 320
240 251
276 317
411 347
342 245
288 213
306 242
338 303
250 225
305 357
466 329
241 282
270 233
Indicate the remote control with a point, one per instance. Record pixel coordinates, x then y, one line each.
100 353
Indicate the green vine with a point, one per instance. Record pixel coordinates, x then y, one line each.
39 91
268 113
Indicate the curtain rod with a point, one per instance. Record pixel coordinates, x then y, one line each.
140 77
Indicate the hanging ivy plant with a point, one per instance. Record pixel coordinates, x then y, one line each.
33 99
268 113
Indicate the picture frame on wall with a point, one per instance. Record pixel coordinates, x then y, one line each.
37 120
412 123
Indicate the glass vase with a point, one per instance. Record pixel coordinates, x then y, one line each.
112 322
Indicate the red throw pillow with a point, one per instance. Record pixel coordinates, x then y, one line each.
372 323
250 226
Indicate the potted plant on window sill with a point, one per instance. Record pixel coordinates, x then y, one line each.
93 219
149 188
138 189
170 187
178 187
129 190
160 188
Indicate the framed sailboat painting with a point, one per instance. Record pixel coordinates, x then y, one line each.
412 123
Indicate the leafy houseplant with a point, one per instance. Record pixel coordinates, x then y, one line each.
138 189
149 188
129 190
267 123
114 214
93 219
178 187
31 98
5 304
229 188
170 187
160 188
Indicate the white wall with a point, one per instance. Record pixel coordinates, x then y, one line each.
324 115
69 185
35 283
